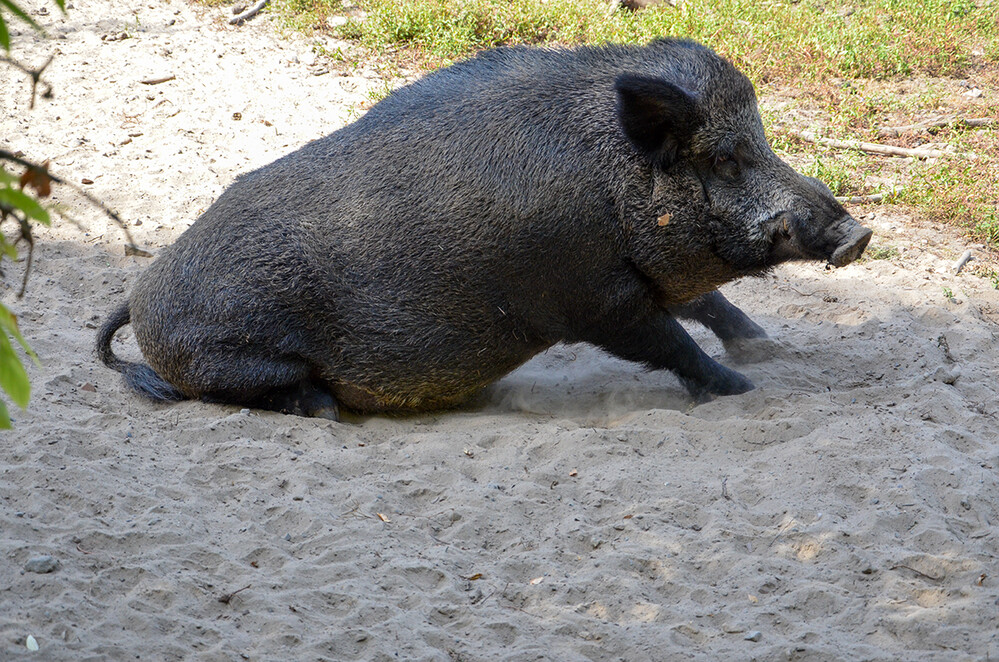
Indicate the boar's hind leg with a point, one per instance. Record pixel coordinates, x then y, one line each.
306 398
726 321
284 385
660 342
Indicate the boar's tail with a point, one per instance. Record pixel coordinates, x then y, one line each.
139 376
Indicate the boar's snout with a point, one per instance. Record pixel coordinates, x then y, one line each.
823 229
839 243
854 241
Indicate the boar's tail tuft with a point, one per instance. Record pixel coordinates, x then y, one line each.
139 376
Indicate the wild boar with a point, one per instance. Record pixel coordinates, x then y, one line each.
473 219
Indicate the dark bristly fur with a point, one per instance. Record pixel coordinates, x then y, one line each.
474 218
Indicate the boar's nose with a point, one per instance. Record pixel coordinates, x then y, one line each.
855 238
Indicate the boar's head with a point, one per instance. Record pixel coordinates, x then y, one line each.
739 209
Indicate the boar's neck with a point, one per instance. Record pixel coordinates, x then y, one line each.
667 245
679 284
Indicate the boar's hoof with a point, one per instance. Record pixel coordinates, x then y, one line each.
722 381
303 399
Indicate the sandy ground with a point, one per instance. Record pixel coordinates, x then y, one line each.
580 510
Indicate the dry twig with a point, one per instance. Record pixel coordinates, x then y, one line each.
875 148
965 259
860 199
249 13
935 123
157 81
35 75
921 574
227 597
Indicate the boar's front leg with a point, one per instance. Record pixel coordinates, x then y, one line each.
658 341
725 320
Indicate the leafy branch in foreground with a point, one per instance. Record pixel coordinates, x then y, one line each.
35 75
23 209
20 208
8 6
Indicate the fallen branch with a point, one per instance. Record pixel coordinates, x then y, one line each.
34 167
249 13
875 148
226 598
965 259
936 123
921 574
860 199
157 81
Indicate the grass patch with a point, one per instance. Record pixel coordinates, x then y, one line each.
775 39
841 175
989 273
958 193
880 253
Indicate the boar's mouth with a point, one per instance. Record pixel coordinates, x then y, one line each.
852 246
839 243
783 247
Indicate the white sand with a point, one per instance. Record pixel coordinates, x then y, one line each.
580 510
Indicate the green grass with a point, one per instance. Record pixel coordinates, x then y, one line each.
989 273
959 192
881 252
840 173
809 40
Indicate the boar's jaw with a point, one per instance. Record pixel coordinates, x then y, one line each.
784 245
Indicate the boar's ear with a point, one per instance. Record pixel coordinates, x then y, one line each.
657 116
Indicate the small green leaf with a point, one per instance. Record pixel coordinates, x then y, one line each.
17 11
4 417
13 378
20 200
8 324
6 177
4 35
